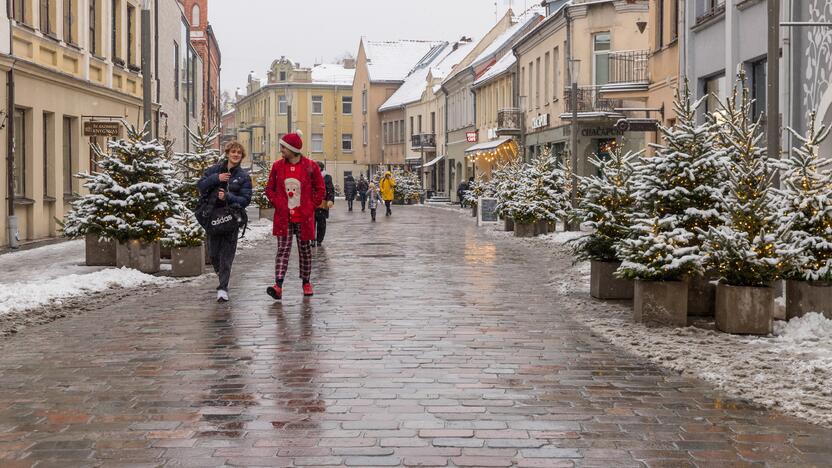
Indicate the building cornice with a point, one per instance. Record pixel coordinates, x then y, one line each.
281 86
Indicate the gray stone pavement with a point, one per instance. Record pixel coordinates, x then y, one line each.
429 343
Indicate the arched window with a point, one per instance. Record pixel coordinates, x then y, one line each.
195 16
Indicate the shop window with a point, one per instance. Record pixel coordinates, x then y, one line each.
714 89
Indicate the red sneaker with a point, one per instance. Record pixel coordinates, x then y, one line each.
307 289
276 292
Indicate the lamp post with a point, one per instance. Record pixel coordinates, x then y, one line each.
574 70
146 82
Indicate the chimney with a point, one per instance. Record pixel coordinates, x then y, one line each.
349 63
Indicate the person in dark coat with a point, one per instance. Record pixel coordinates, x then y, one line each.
363 187
322 212
350 189
232 184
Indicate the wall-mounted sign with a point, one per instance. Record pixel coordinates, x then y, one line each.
471 137
626 125
602 132
540 121
106 129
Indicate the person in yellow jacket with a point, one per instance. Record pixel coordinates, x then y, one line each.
387 186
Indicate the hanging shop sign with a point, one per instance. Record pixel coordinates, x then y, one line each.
471 137
540 121
628 125
105 129
601 132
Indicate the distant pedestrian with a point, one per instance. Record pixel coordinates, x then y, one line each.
463 187
387 187
322 212
350 190
295 188
363 186
372 199
226 184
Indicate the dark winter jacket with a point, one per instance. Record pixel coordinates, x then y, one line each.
321 213
349 188
363 186
237 189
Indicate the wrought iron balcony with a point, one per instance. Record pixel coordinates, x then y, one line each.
710 9
589 99
423 141
629 68
509 121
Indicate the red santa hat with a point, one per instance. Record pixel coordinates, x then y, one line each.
292 141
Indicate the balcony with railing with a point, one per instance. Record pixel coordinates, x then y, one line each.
590 103
709 10
509 121
628 71
423 141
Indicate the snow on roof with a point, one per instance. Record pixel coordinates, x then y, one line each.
414 85
506 38
441 68
498 68
332 73
393 60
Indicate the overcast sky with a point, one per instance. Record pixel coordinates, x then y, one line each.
252 33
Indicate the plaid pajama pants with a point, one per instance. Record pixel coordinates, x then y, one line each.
284 248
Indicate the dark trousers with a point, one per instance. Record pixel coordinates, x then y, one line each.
222 250
387 204
349 203
363 198
320 225
373 213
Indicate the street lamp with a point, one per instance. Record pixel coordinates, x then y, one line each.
574 71
146 83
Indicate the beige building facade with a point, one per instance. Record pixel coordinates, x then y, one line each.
605 44
664 64
70 63
318 101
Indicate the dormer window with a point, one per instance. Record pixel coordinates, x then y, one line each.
282 76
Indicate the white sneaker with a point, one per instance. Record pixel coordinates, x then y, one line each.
222 296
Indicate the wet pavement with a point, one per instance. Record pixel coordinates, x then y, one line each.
429 343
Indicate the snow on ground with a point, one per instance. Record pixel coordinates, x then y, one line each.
19 296
790 371
44 263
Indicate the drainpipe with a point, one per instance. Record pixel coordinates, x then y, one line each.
573 150
773 72
11 219
683 40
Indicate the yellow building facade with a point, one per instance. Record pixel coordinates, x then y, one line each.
664 63
318 101
70 63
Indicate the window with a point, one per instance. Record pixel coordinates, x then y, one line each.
317 105
546 79
364 133
715 90
433 122
555 73
176 69
93 22
419 120
192 80
48 154
674 20
19 167
195 16
45 23
346 142
131 35
19 11
69 21
758 87
531 84
346 105
411 126
282 105
69 186
115 41
601 58
537 83
708 8
364 101
282 76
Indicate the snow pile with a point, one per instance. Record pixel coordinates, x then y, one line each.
28 295
256 232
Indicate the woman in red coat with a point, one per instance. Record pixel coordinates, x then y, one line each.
295 189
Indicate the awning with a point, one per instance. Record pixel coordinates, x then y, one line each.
434 161
488 145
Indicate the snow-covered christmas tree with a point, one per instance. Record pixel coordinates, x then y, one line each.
261 179
505 181
183 230
745 248
192 165
806 206
678 195
606 206
131 196
408 186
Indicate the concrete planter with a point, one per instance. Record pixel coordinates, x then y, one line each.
267 213
662 302
553 226
744 310
508 224
803 297
542 228
474 210
525 229
138 256
165 252
702 295
604 285
188 261
99 252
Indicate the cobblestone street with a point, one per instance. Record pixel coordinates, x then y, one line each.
428 343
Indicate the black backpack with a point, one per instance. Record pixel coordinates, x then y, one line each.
222 219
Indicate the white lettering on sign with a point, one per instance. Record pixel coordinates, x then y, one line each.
540 121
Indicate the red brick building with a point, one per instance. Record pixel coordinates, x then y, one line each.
205 43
